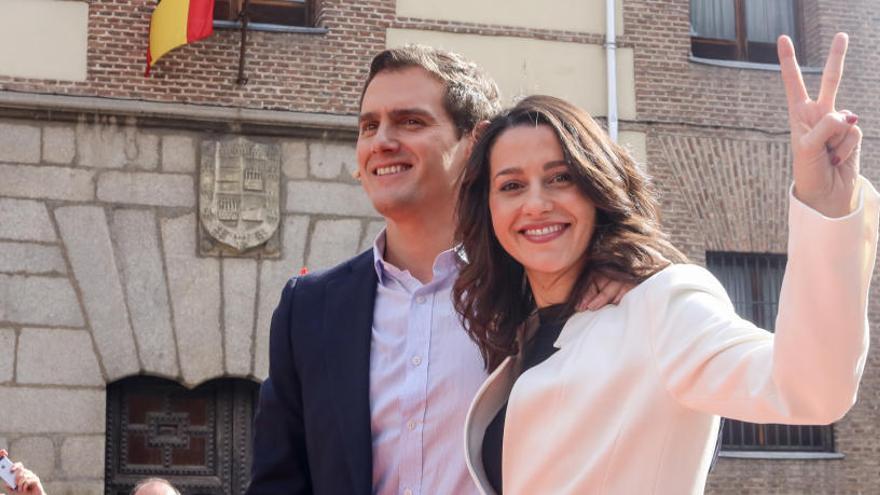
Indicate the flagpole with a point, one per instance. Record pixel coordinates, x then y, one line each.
243 19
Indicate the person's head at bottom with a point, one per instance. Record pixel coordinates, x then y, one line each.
548 203
154 486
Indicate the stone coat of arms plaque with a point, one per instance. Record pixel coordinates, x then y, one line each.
239 188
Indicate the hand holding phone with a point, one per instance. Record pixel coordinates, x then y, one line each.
6 473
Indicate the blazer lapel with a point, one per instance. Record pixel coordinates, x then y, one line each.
348 321
489 399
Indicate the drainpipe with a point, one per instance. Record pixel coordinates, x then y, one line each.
611 69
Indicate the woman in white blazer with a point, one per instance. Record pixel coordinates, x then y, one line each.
627 399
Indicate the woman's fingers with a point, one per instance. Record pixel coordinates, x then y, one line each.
795 90
848 146
836 141
833 72
831 129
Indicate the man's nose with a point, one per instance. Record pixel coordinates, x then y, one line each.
384 140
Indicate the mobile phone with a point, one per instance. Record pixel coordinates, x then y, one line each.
6 472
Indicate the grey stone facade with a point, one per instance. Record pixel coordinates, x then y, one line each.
100 276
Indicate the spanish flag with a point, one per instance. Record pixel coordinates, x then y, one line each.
178 22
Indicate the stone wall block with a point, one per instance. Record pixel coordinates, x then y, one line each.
7 355
328 159
328 198
370 234
140 259
333 241
83 457
25 220
87 237
178 154
142 150
36 453
94 487
144 188
66 184
239 299
59 145
101 145
53 410
273 275
39 301
57 357
195 301
19 143
31 258
294 159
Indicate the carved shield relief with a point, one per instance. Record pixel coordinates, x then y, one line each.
239 189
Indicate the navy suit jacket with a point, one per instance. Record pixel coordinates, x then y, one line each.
312 426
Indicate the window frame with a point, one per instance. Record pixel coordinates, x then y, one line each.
741 44
757 440
312 8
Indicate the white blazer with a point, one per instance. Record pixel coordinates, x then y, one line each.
630 402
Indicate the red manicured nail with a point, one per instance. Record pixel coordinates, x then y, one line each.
852 119
835 160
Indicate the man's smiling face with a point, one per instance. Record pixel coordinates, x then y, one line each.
409 152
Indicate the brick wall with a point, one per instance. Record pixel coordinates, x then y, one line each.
718 149
304 72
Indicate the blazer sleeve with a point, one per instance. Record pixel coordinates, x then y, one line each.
808 372
280 464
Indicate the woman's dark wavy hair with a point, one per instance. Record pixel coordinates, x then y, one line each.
492 293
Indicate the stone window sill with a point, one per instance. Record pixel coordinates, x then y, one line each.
738 64
273 28
758 454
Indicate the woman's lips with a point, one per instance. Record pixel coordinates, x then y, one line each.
544 233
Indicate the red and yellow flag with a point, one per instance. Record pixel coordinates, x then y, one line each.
178 22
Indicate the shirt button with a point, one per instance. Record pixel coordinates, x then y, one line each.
416 360
407 492
410 425
420 299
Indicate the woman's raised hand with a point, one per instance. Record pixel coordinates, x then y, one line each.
825 142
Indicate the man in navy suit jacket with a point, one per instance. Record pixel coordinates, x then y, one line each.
320 425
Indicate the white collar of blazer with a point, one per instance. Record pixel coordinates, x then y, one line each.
488 400
495 391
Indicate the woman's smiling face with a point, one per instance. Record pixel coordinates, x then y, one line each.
539 215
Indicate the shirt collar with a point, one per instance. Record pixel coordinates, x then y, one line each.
445 264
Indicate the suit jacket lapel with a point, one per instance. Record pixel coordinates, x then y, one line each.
348 321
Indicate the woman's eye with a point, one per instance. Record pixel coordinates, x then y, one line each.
509 186
561 178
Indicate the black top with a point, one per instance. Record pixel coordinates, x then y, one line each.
540 348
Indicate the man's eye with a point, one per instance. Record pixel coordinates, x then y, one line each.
368 127
412 122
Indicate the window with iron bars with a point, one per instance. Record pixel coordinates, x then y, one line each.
753 282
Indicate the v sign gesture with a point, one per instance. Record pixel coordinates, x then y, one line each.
825 142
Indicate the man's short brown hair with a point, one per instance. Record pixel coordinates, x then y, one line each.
471 95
